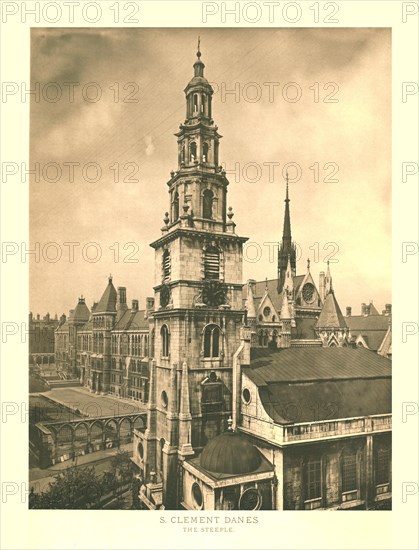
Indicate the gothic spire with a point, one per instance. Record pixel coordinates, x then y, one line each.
287 248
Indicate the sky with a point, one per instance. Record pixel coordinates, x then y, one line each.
317 99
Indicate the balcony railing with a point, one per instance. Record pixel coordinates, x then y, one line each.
333 428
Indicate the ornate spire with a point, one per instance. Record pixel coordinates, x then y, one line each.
328 280
199 65
287 248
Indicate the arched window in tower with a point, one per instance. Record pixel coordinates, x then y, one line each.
166 266
205 149
207 200
165 344
193 151
212 263
212 335
203 103
176 206
195 103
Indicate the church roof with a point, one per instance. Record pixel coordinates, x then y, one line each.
314 364
107 304
331 315
321 383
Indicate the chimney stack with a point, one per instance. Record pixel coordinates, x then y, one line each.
363 306
348 311
30 317
388 309
367 310
134 305
122 295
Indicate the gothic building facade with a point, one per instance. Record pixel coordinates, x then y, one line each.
258 396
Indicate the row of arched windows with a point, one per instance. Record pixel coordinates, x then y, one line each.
134 344
212 341
192 155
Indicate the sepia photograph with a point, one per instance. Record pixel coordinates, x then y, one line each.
210 277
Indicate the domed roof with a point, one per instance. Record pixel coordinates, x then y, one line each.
230 453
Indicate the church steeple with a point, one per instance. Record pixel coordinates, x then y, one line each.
287 249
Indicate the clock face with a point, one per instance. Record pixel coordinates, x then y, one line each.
164 296
213 294
308 292
251 499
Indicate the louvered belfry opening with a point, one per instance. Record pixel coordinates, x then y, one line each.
212 263
166 265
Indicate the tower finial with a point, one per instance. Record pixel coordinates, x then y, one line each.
308 264
287 180
266 284
198 53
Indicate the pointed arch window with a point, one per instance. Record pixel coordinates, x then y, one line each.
212 263
165 343
207 200
176 206
193 151
166 265
212 336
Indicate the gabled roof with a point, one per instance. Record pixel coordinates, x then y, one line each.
107 304
259 290
132 321
331 315
370 327
373 309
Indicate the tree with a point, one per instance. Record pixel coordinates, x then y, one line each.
74 488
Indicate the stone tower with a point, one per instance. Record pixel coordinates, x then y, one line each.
198 311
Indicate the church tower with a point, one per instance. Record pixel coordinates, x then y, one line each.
198 300
287 250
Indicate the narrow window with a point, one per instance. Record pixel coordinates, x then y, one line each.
195 103
207 201
202 103
176 206
164 341
313 487
205 153
349 473
382 472
193 151
166 265
212 342
212 263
